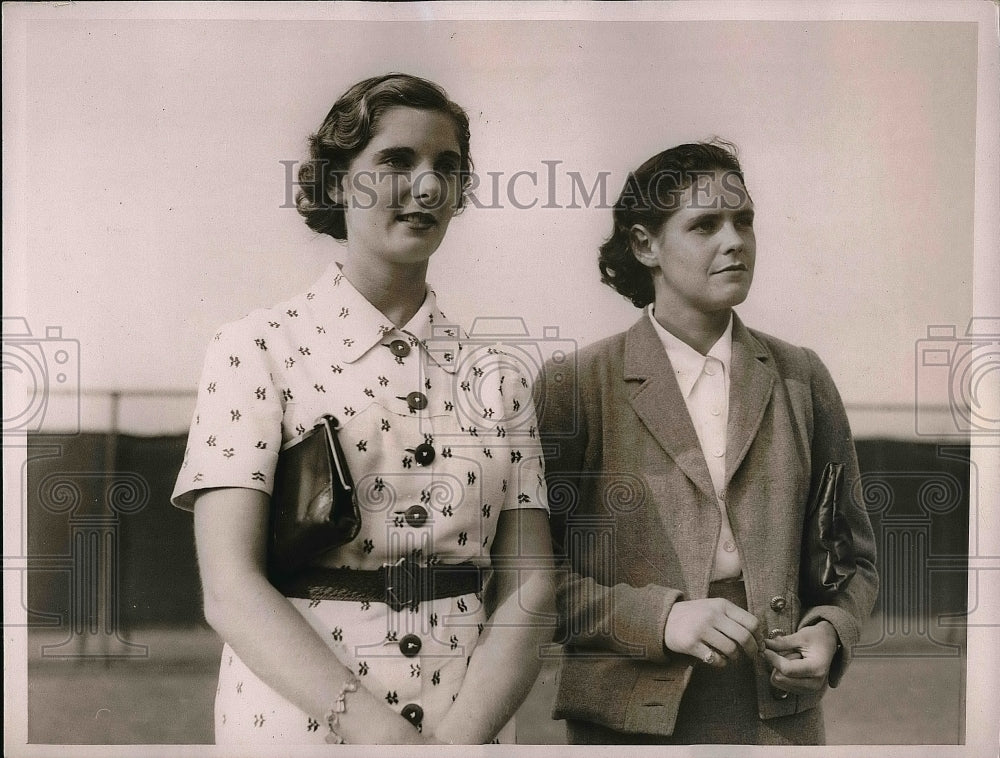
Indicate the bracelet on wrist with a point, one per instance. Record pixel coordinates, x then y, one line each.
339 706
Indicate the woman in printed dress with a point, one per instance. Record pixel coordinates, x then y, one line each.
438 432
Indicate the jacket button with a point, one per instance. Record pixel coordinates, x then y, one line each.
399 348
410 645
779 694
775 633
778 603
413 713
417 401
416 515
424 454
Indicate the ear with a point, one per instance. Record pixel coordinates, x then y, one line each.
641 241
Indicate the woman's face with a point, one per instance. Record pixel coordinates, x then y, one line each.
401 191
703 257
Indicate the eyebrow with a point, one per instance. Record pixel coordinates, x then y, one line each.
393 152
409 152
698 214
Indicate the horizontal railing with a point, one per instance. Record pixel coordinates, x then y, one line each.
165 411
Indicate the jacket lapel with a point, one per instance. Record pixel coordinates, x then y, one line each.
751 385
659 404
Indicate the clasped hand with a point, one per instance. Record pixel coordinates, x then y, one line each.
801 661
714 631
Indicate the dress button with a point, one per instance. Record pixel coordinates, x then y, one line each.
399 348
410 645
413 713
416 515
424 454
416 400
729 546
778 603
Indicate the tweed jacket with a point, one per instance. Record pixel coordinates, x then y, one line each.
635 519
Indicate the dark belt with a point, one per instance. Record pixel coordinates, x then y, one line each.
401 585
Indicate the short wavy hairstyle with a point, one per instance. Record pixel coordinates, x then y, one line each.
651 196
347 130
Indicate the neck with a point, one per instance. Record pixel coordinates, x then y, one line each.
397 290
699 330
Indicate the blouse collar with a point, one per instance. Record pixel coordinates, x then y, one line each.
687 362
361 325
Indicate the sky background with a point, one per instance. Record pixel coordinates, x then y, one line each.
151 194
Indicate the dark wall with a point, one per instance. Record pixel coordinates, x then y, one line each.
917 495
152 556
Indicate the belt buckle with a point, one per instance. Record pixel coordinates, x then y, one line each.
404 580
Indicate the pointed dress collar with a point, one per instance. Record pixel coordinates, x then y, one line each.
362 326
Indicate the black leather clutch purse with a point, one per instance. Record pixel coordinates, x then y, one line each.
314 507
828 561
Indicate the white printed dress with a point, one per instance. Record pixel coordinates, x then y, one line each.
439 434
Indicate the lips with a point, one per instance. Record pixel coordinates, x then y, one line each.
733 267
417 220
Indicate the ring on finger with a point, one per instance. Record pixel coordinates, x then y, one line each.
709 657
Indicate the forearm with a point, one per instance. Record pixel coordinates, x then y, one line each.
274 640
846 613
596 612
622 619
849 610
266 630
505 663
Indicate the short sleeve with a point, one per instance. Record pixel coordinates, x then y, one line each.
235 434
526 484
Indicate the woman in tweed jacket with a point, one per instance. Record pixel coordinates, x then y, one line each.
681 456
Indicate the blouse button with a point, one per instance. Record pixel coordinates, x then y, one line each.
778 603
413 713
424 454
399 348
416 400
410 645
416 516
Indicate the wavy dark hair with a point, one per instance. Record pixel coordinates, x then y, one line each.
350 126
650 196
